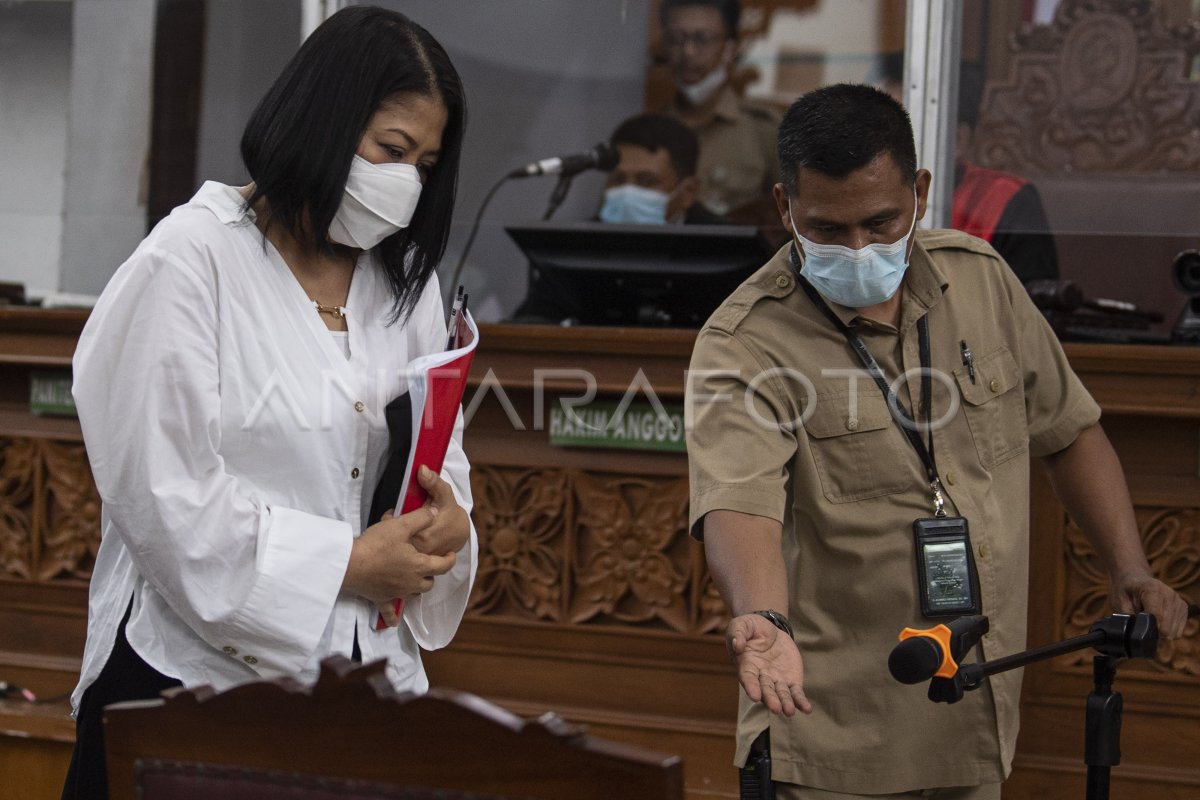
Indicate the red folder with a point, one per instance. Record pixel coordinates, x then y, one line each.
436 383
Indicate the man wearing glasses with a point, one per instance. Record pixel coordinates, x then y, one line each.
738 165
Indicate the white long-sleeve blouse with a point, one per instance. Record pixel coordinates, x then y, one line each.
236 449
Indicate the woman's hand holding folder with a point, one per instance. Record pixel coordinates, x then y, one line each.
425 542
451 527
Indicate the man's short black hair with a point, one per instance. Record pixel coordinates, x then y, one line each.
656 132
838 129
730 10
302 137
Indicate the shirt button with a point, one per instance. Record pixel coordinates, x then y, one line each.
852 424
783 280
229 651
994 385
950 478
354 472
983 551
359 406
250 659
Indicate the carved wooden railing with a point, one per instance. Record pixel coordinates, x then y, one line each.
352 733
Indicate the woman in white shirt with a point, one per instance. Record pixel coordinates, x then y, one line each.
232 382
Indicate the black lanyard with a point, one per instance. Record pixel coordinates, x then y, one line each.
899 414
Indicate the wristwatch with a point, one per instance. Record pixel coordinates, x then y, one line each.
777 619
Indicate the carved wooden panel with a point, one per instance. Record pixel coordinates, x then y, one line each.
1104 89
49 511
17 475
1171 538
581 548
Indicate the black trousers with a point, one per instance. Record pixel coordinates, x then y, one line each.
125 677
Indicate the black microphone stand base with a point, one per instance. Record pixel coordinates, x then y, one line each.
1102 728
1116 637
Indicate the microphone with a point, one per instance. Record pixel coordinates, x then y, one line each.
935 652
1053 295
602 156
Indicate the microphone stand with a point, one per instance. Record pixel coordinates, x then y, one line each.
559 194
1116 637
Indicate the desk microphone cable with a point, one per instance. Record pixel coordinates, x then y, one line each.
462 258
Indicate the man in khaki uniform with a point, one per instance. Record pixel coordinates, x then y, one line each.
805 489
738 165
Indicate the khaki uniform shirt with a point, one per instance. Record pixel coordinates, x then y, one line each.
738 154
777 428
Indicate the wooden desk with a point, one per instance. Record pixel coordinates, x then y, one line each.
49 529
1151 402
591 600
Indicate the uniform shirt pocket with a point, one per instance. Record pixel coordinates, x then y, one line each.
995 407
855 446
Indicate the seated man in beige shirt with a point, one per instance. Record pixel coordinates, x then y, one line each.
738 165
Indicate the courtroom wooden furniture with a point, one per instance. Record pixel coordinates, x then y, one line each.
49 529
271 738
591 600
590 597
1151 402
1100 110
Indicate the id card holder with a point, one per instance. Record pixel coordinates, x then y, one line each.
946 576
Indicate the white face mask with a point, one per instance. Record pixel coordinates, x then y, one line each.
855 278
699 92
379 200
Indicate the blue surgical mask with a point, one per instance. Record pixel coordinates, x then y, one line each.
856 278
635 205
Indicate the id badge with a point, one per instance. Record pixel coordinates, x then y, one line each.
946 576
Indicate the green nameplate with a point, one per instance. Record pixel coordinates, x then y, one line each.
639 426
50 392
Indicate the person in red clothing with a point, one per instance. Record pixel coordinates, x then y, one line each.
1001 208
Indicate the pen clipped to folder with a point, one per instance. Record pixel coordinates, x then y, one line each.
456 330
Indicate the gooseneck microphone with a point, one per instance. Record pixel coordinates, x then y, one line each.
602 157
935 652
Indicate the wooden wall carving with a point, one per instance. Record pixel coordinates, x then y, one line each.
582 548
1104 89
49 511
1171 538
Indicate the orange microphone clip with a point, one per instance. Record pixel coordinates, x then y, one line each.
940 634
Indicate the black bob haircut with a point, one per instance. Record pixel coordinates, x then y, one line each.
838 129
656 132
302 137
730 10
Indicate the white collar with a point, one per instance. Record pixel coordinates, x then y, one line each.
225 202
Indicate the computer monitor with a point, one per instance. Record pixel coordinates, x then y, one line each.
594 273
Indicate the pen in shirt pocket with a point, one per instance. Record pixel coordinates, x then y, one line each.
967 359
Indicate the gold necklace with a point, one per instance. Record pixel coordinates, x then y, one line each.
337 312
